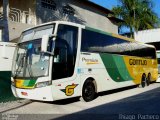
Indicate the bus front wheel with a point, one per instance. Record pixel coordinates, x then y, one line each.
88 91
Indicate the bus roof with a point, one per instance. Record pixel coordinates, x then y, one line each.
59 22
91 29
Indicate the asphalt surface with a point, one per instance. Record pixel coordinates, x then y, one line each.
129 104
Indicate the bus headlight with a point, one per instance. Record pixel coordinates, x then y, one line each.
43 84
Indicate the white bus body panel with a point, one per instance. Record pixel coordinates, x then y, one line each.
98 72
6 55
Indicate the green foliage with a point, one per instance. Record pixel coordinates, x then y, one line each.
137 14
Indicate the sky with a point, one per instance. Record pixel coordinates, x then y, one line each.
111 3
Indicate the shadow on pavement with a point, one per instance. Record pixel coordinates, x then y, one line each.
136 106
76 99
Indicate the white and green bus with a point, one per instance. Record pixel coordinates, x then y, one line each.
60 60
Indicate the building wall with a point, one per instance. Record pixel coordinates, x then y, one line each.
84 14
16 28
0 34
148 36
21 16
1 5
93 18
27 13
23 11
1 11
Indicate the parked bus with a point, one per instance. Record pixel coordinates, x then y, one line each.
60 60
6 57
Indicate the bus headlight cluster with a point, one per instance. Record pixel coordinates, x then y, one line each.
43 84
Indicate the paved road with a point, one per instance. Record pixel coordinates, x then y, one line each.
135 103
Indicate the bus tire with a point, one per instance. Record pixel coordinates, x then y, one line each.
148 79
88 91
143 80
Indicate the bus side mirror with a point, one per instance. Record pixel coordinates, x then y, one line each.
44 43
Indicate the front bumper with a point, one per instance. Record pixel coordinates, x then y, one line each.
42 94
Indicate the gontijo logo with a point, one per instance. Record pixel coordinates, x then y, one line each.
137 62
90 61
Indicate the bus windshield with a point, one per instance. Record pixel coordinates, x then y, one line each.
29 61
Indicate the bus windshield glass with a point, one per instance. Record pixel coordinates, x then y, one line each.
29 61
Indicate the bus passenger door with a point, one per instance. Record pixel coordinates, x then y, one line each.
63 71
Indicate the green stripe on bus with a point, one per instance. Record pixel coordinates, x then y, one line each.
121 66
26 82
116 67
29 83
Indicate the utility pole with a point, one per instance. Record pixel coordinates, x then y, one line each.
5 36
134 20
134 17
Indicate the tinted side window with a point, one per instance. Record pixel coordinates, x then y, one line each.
98 42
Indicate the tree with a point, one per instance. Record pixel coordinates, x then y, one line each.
137 14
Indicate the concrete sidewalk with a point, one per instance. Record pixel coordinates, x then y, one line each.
7 106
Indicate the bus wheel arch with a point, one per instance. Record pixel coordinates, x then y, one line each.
89 89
